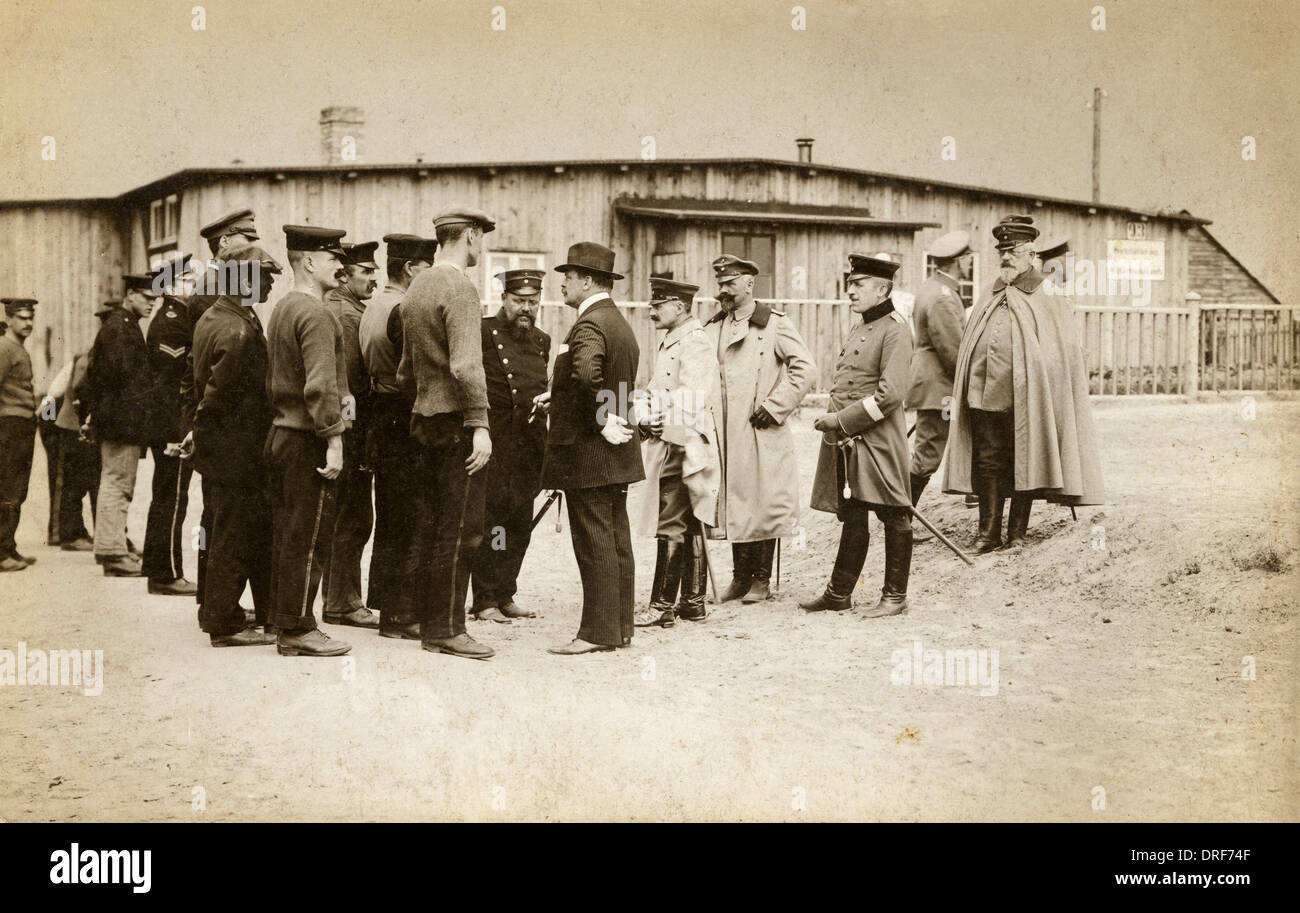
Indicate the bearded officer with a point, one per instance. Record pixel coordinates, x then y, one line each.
765 371
1022 421
682 461
862 463
515 356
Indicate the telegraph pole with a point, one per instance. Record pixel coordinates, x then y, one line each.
1096 144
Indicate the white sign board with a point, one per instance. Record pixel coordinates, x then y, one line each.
1138 257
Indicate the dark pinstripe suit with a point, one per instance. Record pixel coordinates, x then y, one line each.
595 374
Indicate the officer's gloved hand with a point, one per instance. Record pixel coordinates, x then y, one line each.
762 419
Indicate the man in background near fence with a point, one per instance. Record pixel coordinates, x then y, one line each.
1022 422
765 371
515 356
17 425
938 318
341 580
389 448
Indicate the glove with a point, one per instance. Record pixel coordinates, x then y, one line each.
762 419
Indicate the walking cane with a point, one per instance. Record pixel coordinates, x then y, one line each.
777 588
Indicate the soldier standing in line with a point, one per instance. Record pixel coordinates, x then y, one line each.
17 426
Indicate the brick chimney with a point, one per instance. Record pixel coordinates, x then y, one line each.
340 135
805 149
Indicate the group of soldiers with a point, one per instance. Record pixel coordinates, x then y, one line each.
406 412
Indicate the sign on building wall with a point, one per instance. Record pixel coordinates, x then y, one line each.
1140 257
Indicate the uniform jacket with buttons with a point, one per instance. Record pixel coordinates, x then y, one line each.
168 339
867 397
233 415
515 370
762 362
938 319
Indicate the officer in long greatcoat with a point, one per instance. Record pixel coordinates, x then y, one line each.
863 460
515 356
765 371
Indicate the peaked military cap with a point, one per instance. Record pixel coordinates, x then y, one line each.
590 257
14 305
240 222
362 254
667 289
877 265
410 247
251 253
1014 230
312 237
729 267
950 246
455 215
1053 251
522 281
140 282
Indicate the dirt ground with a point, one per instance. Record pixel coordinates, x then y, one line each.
1124 645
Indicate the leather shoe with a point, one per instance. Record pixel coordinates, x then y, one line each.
11 564
78 545
24 559
491 613
358 618
178 587
650 617
737 588
122 566
309 643
403 632
249 637
578 646
888 605
759 591
828 601
460 645
512 609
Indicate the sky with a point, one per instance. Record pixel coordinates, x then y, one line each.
130 91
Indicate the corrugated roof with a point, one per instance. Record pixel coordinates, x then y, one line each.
732 210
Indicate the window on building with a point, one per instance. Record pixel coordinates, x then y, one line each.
500 260
164 222
761 249
968 289
673 262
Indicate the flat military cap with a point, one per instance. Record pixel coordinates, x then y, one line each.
877 265
1014 230
729 267
361 254
522 281
250 253
455 215
950 246
1053 251
140 282
14 305
240 222
410 247
588 256
311 237
666 289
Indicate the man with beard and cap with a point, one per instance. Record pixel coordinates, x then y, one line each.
682 460
441 373
231 424
515 356
1022 421
765 370
389 448
591 453
17 425
341 580
119 389
306 381
938 318
168 342
863 460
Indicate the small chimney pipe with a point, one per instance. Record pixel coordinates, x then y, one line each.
805 144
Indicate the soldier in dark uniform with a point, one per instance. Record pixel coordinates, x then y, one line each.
17 425
168 341
515 356
862 463
231 424
389 448
341 580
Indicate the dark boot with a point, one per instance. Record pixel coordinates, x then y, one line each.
740 572
1018 518
919 532
855 537
663 589
761 572
898 566
991 504
695 579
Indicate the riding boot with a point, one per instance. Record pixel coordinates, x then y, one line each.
740 571
992 501
838 595
919 533
695 578
898 565
760 571
1018 518
663 589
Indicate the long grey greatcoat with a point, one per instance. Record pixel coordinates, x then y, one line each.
763 363
871 378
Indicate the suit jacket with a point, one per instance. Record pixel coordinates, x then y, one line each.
234 414
594 375
119 388
939 321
